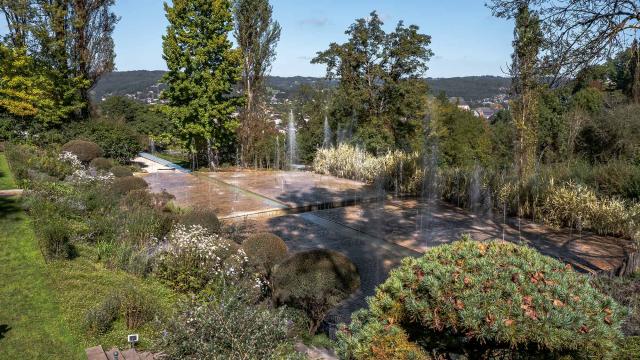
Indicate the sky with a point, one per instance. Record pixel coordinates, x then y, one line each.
466 39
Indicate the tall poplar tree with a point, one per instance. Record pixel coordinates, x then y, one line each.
525 82
257 35
203 67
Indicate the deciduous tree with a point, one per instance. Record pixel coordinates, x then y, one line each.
257 35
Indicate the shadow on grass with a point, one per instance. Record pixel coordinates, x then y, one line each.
4 328
9 207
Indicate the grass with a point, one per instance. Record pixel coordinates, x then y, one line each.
6 180
31 326
43 305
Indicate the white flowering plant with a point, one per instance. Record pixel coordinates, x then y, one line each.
195 258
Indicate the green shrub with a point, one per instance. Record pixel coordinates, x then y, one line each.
100 319
122 186
142 197
84 150
101 163
54 237
264 251
134 260
206 218
142 226
489 299
119 141
227 327
26 161
314 281
132 305
121 171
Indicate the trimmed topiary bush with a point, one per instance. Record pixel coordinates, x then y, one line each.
206 218
123 185
121 171
484 300
84 150
314 281
101 163
264 251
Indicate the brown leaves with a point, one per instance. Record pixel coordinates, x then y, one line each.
527 306
508 322
458 304
558 303
536 277
607 318
467 280
584 329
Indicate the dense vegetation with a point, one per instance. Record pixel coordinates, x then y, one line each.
565 153
483 300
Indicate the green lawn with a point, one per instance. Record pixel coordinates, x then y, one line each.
6 180
31 326
43 306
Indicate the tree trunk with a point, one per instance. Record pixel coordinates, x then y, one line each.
211 156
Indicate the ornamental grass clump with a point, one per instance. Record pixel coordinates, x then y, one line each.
395 170
314 281
487 299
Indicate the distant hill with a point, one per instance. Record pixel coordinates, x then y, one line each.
471 88
142 82
127 82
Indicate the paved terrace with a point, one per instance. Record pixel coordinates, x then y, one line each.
312 211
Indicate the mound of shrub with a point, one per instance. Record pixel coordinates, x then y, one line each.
206 218
101 163
264 251
84 150
314 281
120 171
126 184
484 300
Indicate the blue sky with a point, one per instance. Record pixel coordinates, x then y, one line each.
466 40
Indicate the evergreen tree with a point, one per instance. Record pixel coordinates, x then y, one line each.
257 35
203 67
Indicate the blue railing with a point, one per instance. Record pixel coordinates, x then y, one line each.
163 162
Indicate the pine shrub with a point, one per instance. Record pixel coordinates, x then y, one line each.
84 150
485 299
123 185
264 251
314 281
